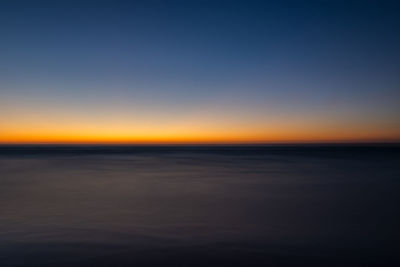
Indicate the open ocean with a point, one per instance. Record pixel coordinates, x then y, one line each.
303 205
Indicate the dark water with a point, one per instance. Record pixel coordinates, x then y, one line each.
200 206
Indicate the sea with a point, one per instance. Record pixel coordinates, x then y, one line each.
242 205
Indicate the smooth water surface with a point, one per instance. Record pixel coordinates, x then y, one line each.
199 206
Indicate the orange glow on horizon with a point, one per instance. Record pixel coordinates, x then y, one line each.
191 138
200 128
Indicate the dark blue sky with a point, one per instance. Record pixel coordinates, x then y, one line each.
266 66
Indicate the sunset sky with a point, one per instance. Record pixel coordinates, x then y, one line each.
199 71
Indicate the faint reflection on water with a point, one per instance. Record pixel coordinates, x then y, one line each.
191 207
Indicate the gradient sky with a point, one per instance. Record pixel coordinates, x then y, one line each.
199 71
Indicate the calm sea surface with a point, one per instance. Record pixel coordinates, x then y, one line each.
200 206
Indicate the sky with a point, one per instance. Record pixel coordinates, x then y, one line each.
199 71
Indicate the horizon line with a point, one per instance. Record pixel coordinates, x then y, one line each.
209 144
